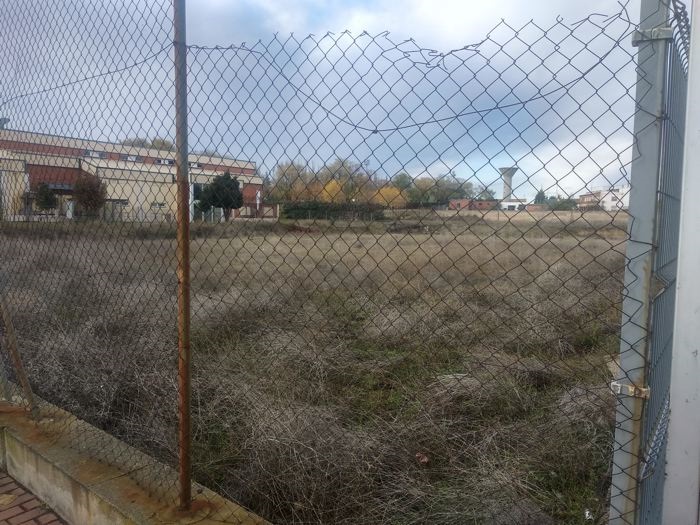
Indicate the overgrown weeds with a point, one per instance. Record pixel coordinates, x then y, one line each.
402 377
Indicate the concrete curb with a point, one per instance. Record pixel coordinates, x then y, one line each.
90 477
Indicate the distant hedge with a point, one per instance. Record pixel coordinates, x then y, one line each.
332 211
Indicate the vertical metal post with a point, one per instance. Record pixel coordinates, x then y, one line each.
11 344
681 500
634 341
183 252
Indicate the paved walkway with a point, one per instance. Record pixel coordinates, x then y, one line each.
20 507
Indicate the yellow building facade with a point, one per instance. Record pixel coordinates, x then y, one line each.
140 182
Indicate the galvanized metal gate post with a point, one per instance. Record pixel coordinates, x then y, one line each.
668 215
630 383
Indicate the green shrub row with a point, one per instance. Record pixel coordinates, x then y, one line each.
332 211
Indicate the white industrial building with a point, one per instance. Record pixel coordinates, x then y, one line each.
611 199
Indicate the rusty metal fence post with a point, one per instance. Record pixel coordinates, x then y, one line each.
183 252
11 343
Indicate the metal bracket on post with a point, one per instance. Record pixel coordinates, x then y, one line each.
626 389
651 35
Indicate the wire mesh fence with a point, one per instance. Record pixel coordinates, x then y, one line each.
407 266
655 426
92 301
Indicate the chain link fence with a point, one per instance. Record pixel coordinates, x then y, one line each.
407 266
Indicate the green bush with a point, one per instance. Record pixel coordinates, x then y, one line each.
332 211
45 198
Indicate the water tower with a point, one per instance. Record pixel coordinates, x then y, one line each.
507 176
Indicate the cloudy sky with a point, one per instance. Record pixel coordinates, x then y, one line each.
441 25
549 94
590 149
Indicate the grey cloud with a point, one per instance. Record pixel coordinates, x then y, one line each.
68 67
519 94
534 96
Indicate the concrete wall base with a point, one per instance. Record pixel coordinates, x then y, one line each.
89 477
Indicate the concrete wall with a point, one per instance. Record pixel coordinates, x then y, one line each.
89 477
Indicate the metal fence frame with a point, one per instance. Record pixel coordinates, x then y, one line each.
681 491
636 305
657 409
647 339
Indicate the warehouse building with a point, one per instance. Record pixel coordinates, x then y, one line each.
140 182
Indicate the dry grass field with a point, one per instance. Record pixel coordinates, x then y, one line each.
420 370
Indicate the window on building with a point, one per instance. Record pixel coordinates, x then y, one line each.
166 162
92 154
195 165
614 199
197 190
131 158
119 202
157 205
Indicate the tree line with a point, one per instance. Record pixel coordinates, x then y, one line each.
555 203
344 181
